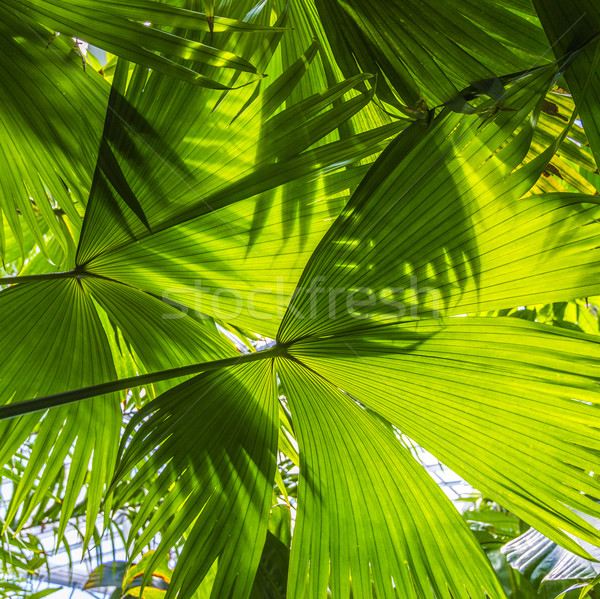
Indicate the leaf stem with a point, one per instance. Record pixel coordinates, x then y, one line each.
59 399
68 274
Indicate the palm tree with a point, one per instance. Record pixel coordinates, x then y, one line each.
343 177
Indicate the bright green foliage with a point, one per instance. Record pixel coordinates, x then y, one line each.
406 176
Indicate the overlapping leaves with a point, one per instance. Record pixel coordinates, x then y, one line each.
132 31
246 184
444 46
123 324
438 380
216 459
53 115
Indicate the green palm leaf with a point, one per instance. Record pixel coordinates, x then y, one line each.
431 60
487 397
576 27
370 516
208 204
263 157
77 354
456 238
119 27
94 425
230 420
54 113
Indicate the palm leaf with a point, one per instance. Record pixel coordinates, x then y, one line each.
431 61
119 27
262 158
477 246
456 238
235 185
487 398
50 136
77 354
370 517
230 418
577 27
230 248
98 421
